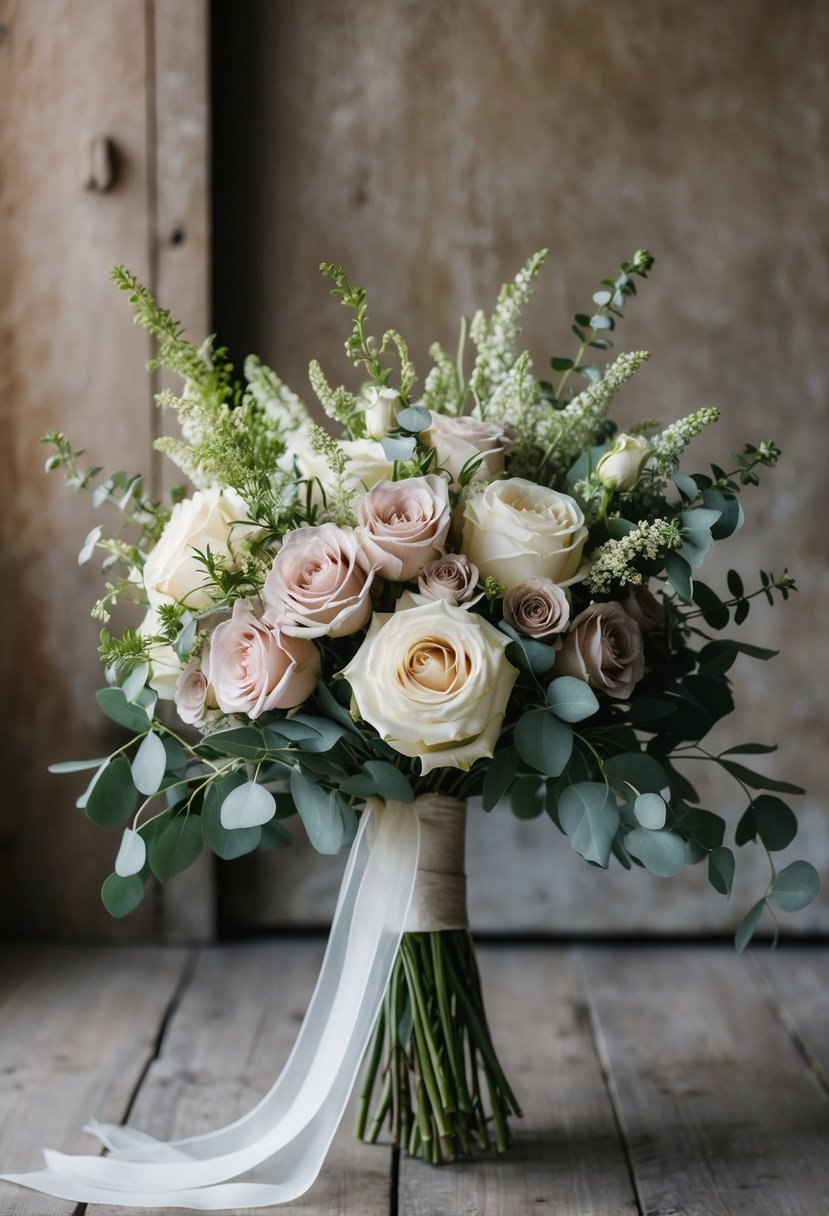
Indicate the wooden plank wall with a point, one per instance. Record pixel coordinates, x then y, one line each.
73 71
430 145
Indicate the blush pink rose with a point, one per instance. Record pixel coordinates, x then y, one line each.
452 578
404 525
194 696
255 667
458 440
604 647
319 583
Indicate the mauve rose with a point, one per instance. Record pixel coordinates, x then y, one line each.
645 609
537 607
452 578
604 647
255 667
319 583
404 524
457 440
193 692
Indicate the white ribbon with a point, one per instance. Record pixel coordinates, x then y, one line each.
273 1154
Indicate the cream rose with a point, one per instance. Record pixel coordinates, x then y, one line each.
451 578
404 524
434 682
172 571
621 467
515 529
537 608
365 464
255 667
381 410
457 440
165 665
604 647
319 583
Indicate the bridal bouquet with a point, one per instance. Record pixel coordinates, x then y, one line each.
483 589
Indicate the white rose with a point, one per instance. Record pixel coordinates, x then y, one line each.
514 530
382 409
458 440
434 681
621 467
165 665
365 464
172 571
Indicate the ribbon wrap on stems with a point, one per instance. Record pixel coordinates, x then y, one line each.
398 877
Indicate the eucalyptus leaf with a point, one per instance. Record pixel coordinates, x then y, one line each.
571 699
134 683
526 801
639 770
721 869
382 778
176 846
115 705
227 843
650 811
679 575
686 486
589 815
398 447
76 766
112 795
249 805
122 895
795 887
756 781
414 419
500 774
149 764
327 818
527 654
775 822
89 545
748 925
132 854
543 742
662 852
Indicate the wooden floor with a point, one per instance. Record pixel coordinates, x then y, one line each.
667 1081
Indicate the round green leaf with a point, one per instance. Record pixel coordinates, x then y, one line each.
499 776
650 811
588 813
661 852
544 742
639 770
414 419
176 846
224 842
76 766
248 806
776 823
116 706
149 764
112 795
795 887
132 854
525 798
327 818
122 895
748 925
571 699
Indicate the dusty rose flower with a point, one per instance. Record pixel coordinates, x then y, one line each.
604 647
457 440
194 696
404 524
452 578
645 609
319 583
255 667
537 607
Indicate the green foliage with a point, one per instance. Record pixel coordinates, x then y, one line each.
121 896
590 817
176 846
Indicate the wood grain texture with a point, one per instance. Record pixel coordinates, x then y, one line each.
799 980
568 1159
718 1109
77 1029
71 360
224 1047
429 146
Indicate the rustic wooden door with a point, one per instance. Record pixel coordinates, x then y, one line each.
104 158
430 146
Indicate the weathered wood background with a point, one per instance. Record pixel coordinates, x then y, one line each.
429 146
